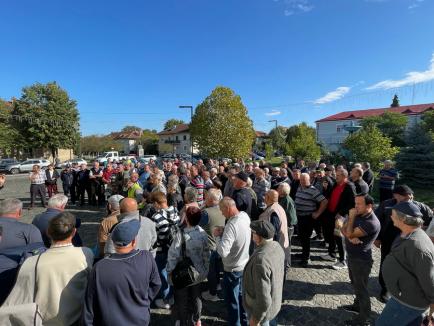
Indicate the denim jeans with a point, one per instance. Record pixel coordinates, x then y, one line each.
395 314
232 289
161 261
215 267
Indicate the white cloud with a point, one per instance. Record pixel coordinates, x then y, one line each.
293 7
333 96
273 112
413 77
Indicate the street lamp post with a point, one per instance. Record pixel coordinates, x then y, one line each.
191 119
275 121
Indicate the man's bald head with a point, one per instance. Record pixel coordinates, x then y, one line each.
128 205
271 197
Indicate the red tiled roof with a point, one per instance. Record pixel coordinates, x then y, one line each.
176 130
135 134
360 114
260 134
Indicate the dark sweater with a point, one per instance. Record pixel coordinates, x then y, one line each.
245 202
120 290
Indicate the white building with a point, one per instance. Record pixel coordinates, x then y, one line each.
176 140
128 140
331 132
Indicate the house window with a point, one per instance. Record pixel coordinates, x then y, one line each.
176 137
185 137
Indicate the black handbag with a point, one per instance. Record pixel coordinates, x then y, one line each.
184 274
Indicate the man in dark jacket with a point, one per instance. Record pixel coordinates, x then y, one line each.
389 232
361 186
242 197
368 175
340 202
114 300
67 178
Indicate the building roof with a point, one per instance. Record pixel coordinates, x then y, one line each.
360 114
260 134
135 134
175 130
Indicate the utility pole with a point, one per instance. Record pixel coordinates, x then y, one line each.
191 119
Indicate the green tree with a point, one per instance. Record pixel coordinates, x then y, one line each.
369 145
48 118
395 102
99 143
10 142
302 143
169 124
149 141
391 124
428 122
416 160
130 128
278 138
221 127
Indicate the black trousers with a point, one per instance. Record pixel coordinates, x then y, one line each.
188 305
96 191
359 270
37 190
385 194
385 249
328 222
305 228
81 190
73 192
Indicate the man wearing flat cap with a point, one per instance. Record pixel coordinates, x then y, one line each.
114 300
388 233
242 196
263 276
408 270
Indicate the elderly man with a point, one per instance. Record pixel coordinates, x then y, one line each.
215 219
360 231
243 197
56 205
135 190
408 270
307 199
63 271
15 235
96 185
263 276
233 246
197 182
114 300
260 187
389 232
368 175
357 179
388 176
113 210
288 206
147 235
37 185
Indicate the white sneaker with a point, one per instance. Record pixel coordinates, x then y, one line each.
340 265
328 258
161 304
219 287
209 297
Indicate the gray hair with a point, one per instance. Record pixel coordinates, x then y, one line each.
285 188
357 165
114 201
58 200
249 182
227 202
190 194
213 170
345 172
214 194
10 205
409 220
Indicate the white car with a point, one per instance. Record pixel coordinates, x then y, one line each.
79 161
27 165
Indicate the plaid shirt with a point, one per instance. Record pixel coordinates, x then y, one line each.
39 178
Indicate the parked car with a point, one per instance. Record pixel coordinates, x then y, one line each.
147 158
7 161
114 156
62 165
257 157
27 165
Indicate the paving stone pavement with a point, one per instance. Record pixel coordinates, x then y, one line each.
311 295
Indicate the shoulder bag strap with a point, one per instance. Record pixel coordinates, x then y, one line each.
36 275
183 254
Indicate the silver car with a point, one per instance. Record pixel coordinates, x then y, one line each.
79 161
27 166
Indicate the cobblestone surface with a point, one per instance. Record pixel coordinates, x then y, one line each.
311 295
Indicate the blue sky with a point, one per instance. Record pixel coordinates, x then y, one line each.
135 62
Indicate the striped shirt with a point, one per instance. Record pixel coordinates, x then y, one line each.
388 183
161 219
38 178
198 183
307 199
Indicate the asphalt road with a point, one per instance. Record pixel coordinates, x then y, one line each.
311 295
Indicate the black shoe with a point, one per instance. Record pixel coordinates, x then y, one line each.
350 308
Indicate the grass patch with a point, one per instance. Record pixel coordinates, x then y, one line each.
424 195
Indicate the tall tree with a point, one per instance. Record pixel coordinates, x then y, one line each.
47 117
416 160
169 124
149 141
10 142
99 143
221 126
278 138
369 145
391 124
395 102
428 122
130 128
302 143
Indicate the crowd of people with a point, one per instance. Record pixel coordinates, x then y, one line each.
177 234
